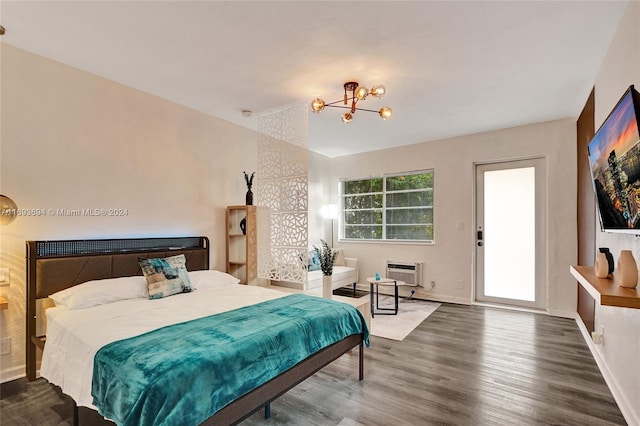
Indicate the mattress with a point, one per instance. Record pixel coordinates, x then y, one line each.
74 336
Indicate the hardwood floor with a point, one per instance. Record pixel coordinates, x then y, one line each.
464 365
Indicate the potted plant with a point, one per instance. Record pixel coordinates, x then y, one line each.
327 256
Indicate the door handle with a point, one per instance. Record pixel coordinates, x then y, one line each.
479 234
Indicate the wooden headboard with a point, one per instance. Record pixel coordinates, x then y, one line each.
55 265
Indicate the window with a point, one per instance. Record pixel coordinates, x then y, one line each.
395 207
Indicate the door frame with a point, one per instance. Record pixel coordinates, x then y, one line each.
542 282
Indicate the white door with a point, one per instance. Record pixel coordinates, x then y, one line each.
510 238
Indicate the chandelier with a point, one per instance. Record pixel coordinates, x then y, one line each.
354 93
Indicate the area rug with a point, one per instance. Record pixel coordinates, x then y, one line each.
411 312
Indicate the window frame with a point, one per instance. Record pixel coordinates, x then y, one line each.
342 212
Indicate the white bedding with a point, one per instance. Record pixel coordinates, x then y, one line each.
74 337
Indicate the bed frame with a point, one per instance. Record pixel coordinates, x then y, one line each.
55 265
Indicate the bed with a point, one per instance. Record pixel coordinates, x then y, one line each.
53 266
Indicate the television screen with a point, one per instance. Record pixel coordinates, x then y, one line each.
614 154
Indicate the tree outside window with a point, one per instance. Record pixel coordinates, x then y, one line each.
396 207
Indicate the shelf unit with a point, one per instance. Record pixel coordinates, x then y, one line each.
606 292
242 248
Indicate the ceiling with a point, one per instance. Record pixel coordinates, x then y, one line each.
450 68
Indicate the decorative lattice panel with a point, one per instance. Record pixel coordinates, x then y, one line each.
282 187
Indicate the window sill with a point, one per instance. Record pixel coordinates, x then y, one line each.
396 242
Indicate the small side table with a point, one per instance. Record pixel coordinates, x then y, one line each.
373 289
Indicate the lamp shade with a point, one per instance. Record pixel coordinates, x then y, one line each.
8 210
332 211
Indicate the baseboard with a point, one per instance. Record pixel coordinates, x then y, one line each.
618 395
422 296
562 313
12 373
447 299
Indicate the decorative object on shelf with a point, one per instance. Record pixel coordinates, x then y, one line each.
327 256
601 267
627 269
8 210
249 181
243 226
609 257
357 93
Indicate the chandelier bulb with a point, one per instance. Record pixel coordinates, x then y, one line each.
347 117
317 105
378 91
362 93
385 112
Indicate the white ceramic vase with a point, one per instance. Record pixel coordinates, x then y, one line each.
601 267
627 270
327 290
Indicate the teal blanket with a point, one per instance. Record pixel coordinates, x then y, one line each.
182 374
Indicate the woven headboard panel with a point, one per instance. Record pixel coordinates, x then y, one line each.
55 265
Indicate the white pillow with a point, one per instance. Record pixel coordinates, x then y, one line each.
211 279
100 292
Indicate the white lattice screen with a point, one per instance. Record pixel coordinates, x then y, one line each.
282 187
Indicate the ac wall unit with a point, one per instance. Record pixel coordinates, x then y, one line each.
409 272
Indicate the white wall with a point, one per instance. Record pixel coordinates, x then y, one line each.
449 260
619 353
71 140
319 196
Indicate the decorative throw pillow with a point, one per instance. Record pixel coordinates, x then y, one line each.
314 261
166 277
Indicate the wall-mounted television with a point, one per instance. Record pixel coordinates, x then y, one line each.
614 155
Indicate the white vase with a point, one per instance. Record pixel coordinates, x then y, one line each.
327 284
627 270
601 267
